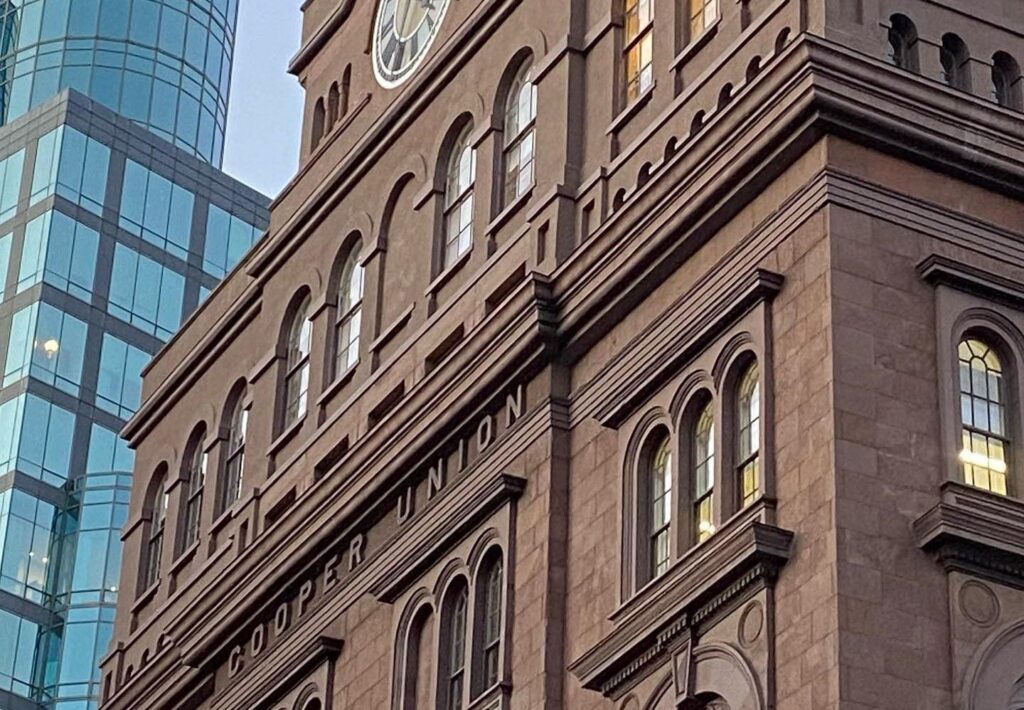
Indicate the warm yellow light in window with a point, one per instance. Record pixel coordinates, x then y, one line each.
705 527
974 458
50 347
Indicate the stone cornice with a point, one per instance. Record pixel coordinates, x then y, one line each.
746 553
940 270
977 532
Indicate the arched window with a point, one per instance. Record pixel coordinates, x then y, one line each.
954 57
333 105
489 621
195 480
234 467
985 455
639 47
296 378
703 14
903 43
452 676
658 466
319 118
520 129
313 704
1006 81
703 452
748 435
157 506
458 198
349 313
419 667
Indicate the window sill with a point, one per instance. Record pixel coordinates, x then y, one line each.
510 210
696 45
392 330
339 383
146 597
493 698
184 558
287 435
975 531
627 114
228 514
445 276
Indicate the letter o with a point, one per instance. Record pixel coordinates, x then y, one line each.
258 642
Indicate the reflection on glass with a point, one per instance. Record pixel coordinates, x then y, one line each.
986 444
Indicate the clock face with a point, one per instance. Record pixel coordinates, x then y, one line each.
403 33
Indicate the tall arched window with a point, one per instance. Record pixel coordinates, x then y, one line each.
452 678
157 505
985 455
748 435
1006 81
319 119
346 91
659 493
419 666
639 47
703 452
296 379
195 481
903 43
520 134
349 313
954 57
333 105
234 467
489 620
703 14
458 198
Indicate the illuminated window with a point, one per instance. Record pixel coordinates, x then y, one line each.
986 445
458 199
703 448
349 316
748 408
639 47
520 135
296 379
703 14
660 514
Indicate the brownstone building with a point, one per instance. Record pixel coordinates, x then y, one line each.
606 354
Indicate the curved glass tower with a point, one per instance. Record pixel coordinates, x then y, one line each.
165 64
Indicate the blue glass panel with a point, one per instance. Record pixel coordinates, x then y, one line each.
61 252
119 388
10 184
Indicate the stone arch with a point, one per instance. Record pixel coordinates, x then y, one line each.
989 682
721 675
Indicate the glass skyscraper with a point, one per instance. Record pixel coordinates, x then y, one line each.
165 64
115 224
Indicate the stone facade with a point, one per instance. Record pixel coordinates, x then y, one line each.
675 424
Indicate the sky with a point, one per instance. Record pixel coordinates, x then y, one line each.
265 112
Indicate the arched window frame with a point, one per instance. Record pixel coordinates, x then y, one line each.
297 344
519 134
979 404
153 543
955 60
489 622
195 466
903 43
412 640
746 414
236 432
703 463
349 285
1006 81
459 185
638 48
333 106
656 507
318 126
453 657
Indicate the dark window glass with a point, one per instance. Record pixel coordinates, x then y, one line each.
296 379
491 638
